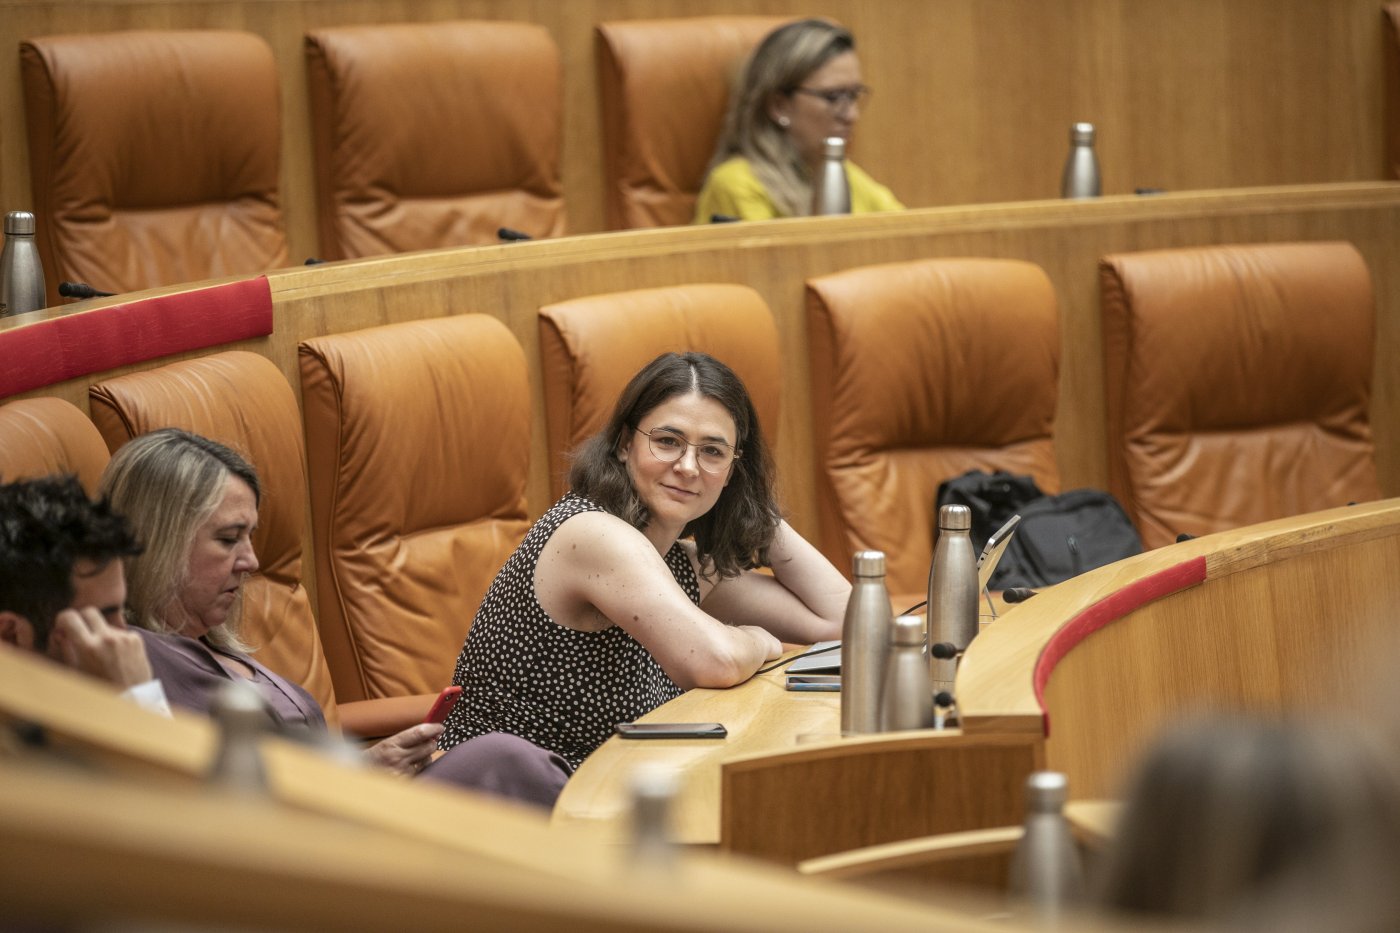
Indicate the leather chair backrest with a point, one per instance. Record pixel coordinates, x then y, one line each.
590 348
242 400
1238 384
664 87
430 135
44 436
418 441
153 157
920 372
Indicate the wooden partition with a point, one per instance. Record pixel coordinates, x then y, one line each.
973 99
1284 616
776 257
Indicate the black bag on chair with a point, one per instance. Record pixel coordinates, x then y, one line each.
1059 536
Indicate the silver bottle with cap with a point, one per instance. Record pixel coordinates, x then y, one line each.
907 699
831 192
653 790
21 272
1047 877
865 639
952 593
1081 175
243 718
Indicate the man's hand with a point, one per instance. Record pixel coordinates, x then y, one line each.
85 641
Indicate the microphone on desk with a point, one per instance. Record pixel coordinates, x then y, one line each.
508 235
81 290
1017 594
1184 537
944 651
723 219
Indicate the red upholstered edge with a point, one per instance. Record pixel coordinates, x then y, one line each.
105 338
1101 613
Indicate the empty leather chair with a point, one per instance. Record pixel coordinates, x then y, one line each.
664 87
241 399
45 436
920 372
590 348
153 157
1238 383
418 441
434 134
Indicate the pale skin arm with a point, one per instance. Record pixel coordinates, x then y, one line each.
597 565
804 600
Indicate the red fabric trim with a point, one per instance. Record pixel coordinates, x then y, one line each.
1110 609
105 338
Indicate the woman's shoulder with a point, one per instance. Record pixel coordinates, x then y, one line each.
867 194
732 189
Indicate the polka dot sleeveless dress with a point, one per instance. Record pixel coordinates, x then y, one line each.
523 673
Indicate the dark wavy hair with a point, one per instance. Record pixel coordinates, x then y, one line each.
734 535
46 526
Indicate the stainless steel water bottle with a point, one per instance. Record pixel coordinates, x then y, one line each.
831 193
908 696
21 273
653 789
1046 875
1081 176
952 593
242 715
865 638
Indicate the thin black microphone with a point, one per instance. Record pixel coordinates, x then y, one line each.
81 290
723 219
1184 537
1017 594
944 651
512 236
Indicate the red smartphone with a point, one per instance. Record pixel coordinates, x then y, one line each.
443 704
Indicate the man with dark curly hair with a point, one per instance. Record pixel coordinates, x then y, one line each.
62 587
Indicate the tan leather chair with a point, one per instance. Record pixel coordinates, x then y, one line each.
1238 384
44 436
434 134
241 399
418 441
153 157
590 348
664 86
922 371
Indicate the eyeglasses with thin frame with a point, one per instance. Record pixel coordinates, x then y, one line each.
838 98
668 447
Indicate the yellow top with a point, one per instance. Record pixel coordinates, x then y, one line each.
732 189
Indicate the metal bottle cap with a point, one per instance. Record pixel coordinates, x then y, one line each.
1046 792
1082 134
835 147
19 223
868 564
954 518
908 632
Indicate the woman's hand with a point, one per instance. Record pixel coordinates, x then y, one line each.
408 751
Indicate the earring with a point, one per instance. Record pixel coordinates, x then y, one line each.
784 122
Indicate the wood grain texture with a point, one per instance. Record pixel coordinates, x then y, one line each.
973 99
1286 620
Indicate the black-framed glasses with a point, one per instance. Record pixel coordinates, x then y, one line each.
838 98
668 447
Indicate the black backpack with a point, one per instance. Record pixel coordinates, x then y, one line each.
1059 536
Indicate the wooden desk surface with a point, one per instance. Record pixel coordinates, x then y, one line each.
761 716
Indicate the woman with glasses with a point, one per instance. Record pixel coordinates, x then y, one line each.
801 86
639 583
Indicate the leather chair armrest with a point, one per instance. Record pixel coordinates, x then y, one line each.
385 716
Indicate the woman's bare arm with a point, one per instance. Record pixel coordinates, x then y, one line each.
802 602
598 562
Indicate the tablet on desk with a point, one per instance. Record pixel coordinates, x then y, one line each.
822 658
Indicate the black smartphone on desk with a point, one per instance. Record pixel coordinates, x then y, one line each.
670 730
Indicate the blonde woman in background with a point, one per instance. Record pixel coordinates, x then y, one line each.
801 86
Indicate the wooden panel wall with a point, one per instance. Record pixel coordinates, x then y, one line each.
973 97
1065 238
